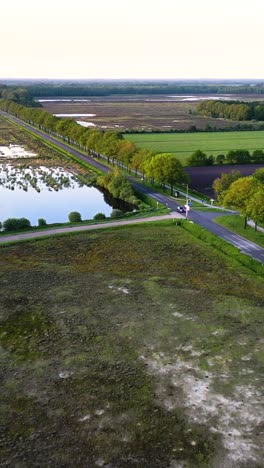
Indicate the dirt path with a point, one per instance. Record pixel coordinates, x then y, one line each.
89 227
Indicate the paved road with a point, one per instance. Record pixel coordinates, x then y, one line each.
204 219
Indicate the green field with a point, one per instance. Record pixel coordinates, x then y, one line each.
184 144
132 347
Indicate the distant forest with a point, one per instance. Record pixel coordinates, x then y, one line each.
25 91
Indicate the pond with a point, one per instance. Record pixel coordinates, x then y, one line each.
49 193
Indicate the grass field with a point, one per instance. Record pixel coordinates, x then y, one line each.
184 144
133 347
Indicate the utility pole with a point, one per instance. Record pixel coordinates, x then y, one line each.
187 202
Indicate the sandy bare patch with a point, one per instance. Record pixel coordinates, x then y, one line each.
235 418
15 151
123 290
182 316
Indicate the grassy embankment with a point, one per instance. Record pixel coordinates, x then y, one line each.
184 144
134 346
235 223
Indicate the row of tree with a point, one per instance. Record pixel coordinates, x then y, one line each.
199 158
246 194
233 110
20 95
164 168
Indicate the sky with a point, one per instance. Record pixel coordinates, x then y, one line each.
132 39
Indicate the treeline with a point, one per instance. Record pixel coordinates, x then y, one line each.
239 127
106 88
239 156
232 110
140 89
164 168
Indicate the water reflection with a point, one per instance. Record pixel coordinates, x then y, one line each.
116 202
49 193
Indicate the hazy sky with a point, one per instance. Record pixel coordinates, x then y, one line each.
132 39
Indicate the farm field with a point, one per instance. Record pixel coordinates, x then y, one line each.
201 178
184 144
122 113
119 351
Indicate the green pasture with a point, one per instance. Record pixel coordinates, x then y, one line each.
184 144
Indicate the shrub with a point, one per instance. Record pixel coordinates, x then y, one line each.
42 222
238 156
220 158
99 216
198 158
0 225
116 213
117 185
74 217
16 224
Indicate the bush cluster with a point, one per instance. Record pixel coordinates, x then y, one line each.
74 217
239 156
99 216
16 224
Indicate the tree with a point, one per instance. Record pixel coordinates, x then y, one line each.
220 158
258 156
74 217
99 216
126 151
259 175
247 195
16 224
221 184
137 160
173 171
109 143
42 222
238 157
239 193
210 160
255 207
198 158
